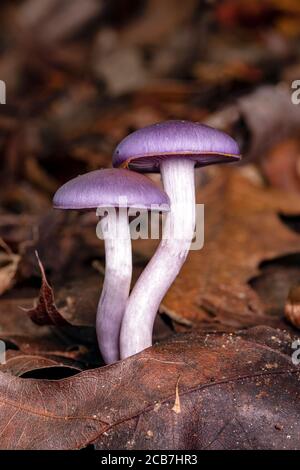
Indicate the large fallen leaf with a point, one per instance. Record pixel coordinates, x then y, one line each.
242 229
208 391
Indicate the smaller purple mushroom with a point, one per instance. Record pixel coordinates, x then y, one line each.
107 189
174 148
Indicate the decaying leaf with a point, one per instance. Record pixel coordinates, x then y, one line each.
235 392
75 304
242 229
45 311
25 338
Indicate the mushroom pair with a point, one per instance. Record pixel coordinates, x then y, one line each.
112 192
174 148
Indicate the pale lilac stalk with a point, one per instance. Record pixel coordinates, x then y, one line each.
116 286
164 266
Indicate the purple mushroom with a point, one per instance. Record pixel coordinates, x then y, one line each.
109 189
174 148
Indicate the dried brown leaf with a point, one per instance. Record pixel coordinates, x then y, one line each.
233 393
242 229
45 311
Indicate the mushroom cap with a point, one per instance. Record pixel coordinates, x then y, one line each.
144 149
110 188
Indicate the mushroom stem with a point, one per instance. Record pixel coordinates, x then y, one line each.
147 294
116 286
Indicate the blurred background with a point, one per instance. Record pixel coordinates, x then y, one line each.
82 74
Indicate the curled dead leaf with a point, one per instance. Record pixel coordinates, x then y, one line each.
45 311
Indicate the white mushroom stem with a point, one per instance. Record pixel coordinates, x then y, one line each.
151 287
116 286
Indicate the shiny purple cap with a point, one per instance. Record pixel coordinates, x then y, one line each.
111 188
144 149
